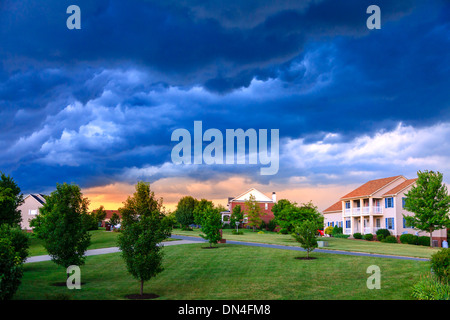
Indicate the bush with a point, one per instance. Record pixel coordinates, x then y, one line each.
237 232
336 230
383 233
329 230
423 241
430 288
440 264
261 232
409 238
357 235
271 225
284 231
390 239
380 237
262 226
344 236
226 226
368 237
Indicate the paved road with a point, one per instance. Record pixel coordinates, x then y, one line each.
274 246
188 240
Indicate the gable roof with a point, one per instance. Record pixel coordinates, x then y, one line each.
39 198
402 186
259 196
334 207
370 187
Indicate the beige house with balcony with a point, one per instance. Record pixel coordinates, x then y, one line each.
30 208
377 204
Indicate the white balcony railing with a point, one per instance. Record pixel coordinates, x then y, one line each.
356 211
348 212
365 210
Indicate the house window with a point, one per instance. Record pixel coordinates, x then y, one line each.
32 212
348 223
378 223
266 206
389 202
405 225
347 205
403 202
390 223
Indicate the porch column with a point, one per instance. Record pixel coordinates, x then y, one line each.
361 204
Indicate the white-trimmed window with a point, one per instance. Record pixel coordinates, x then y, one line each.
33 212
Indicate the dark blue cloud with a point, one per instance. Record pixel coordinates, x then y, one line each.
87 104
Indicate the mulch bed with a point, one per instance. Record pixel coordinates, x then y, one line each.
64 284
210 247
305 258
142 297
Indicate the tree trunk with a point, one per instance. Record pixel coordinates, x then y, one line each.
431 238
142 287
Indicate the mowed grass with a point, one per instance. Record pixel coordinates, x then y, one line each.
231 272
99 239
377 247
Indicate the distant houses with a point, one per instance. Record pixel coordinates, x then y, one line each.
34 201
265 203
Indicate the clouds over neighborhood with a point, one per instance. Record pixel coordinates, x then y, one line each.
97 106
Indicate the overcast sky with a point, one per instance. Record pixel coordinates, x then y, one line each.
97 106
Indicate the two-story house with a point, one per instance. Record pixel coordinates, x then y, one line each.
30 208
377 204
265 203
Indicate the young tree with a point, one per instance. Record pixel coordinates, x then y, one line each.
237 215
114 220
288 215
305 233
185 211
200 210
430 203
60 225
253 211
10 199
144 227
211 225
99 214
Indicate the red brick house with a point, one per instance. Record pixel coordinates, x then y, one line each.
265 203
109 214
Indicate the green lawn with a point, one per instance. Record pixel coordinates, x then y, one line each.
334 243
231 272
99 239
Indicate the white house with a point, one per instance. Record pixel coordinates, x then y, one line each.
377 204
30 208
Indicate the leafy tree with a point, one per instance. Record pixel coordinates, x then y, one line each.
253 211
288 215
237 215
144 227
211 225
305 233
10 199
60 225
89 221
200 210
99 214
185 211
14 245
114 220
430 203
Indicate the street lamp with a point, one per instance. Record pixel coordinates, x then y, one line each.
237 226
